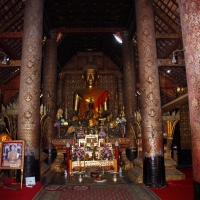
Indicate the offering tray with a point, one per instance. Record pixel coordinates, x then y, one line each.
100 181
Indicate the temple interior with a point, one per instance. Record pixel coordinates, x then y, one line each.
100 87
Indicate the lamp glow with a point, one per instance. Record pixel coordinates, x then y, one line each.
174 56
5 59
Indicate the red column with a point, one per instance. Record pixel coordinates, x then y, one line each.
190 22
152 137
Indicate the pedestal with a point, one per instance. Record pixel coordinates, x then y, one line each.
136 172
60 145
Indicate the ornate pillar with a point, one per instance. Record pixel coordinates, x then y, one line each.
50 94
190 21
0 100
129 86
60 101
129 81
119 92
152 137
133 74
30 79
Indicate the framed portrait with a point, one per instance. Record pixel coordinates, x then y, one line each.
12 154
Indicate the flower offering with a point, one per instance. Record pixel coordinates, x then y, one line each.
78 152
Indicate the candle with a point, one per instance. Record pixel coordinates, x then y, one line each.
70 165
41 110
68 155
85 145
45 111
117 154
115 165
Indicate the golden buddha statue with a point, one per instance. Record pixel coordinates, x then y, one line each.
90 101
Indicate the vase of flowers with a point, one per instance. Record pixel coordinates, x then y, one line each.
63 165
121 123
106 153
78 153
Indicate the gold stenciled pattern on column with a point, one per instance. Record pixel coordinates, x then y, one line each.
154 147
149 81
119 93
185 131
129 83
190 21
50 83
29 112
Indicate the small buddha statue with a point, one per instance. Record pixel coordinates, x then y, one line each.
88 101
59 120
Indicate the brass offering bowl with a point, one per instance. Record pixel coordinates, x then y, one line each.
94 174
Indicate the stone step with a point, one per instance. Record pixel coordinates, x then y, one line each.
173 174
136 174
44 168
43 156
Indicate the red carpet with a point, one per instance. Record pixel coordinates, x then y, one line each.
24 194
99 192
180 189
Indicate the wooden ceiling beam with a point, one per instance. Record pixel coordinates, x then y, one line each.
168 63
12 63
11 35
165 82
161 63
167 20
180 101
12 21
9 87
172 48
90 30
167 86
8 50
167 35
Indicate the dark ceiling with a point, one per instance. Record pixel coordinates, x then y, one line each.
89 26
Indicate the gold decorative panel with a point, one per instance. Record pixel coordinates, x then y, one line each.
185 130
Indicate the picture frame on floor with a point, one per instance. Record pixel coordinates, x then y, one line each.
12 155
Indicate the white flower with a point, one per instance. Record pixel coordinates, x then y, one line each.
121 121
106 152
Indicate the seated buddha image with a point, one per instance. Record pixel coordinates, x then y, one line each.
91 102
12 157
